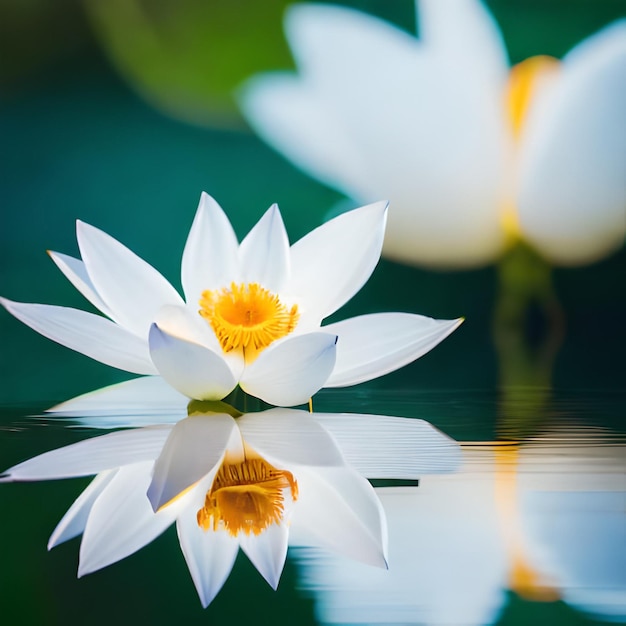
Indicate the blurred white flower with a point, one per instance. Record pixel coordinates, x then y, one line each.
252 314
470 156
239 482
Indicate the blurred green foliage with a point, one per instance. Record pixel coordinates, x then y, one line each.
187 57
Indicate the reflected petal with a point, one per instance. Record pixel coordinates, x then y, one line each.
572 514
338 509
92 456
194 449
380 446
289 437
447 562
141 397
121 520
210 555
267 551
73 522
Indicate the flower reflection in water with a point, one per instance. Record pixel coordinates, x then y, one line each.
573 515
446 557
232 480
544 520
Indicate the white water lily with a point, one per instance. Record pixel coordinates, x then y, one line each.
252 312
375 112
242 482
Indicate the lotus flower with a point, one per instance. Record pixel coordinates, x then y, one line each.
471 156
238 482
253 311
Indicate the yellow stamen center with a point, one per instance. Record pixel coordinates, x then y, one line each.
246 497
524 79
247 316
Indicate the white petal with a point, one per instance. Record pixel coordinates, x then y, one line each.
75 271
267 551
332 262
73 522
290 116
210 255
341 510
185 322
382 446
194 449
121 520
133 290
379 114
89 334
289 437
210 555
369 346
290 372
572 195
92 455
190 368
264 253
112 407
464 32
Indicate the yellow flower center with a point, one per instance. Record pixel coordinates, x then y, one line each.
523 81
246 497
521 88
247 316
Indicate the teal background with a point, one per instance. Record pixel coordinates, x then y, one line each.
79 141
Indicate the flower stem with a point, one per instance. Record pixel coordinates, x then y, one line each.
528 329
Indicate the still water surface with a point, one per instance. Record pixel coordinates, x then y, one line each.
530 529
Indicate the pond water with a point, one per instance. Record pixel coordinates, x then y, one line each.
530 528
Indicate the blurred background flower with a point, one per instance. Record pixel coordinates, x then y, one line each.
468 155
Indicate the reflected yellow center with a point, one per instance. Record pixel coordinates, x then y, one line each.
524 79
246 497
247 316
524 579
